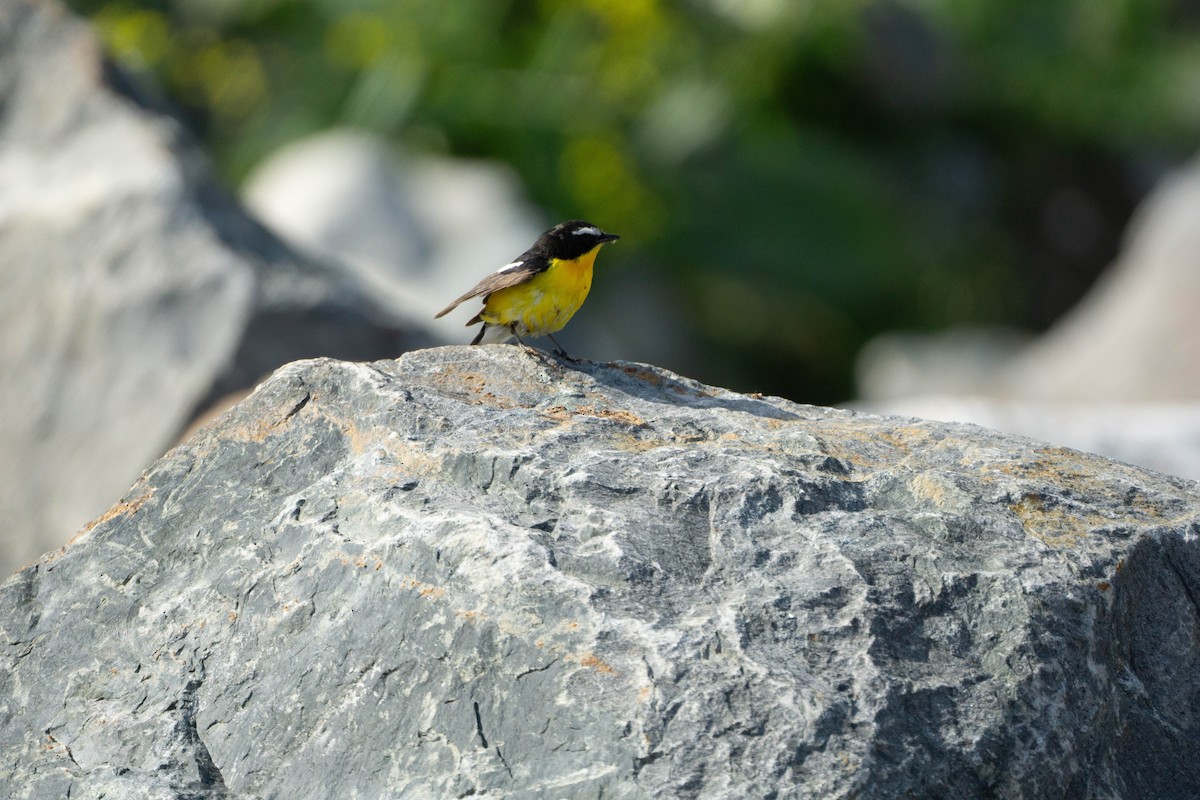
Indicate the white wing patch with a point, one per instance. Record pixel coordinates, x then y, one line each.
509 267
588 230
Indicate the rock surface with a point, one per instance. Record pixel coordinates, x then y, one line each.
481 572
134 292
1159 436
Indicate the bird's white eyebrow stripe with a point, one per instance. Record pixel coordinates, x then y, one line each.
590 230
510 267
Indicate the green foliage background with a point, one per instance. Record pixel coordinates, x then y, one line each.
806 174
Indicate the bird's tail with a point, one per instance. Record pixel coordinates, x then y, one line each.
492 334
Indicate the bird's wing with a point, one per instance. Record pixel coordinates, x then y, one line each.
509 275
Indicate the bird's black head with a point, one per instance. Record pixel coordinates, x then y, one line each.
571 239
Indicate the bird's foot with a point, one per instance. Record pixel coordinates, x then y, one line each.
560 352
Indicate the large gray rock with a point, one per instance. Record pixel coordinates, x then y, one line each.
477 571
132 291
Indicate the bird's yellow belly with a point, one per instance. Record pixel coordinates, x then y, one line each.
545 303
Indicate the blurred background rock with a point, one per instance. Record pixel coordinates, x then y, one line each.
136 297
793 180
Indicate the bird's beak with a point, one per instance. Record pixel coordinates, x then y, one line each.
609 237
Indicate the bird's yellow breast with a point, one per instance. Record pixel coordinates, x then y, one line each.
547 301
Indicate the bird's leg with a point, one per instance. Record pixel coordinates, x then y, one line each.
558 349
529 349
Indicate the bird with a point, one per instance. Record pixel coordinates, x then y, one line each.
537 293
